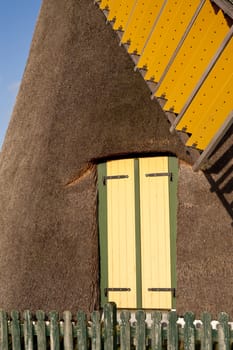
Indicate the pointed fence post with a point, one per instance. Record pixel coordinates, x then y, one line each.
223 332
140 330
125 330
96 331
40 330
189 331
54 331
156 331
68 331
172 331
15 331
110 322
206 332
3 331
28 331
82 330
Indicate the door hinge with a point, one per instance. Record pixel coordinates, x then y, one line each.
173 290
112 177
159 174
106 290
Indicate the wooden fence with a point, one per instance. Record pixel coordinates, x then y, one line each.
113 331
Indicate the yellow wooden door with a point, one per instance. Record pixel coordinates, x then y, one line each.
136 258
155 232
121 233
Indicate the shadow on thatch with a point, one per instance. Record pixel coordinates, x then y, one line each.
220 173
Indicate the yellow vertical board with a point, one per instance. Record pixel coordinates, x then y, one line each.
123 13
155 233
112 6
214 119
140 24
166 36
121 233
104 4
200 45
212 104
218 90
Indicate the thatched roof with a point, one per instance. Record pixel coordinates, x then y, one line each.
79 101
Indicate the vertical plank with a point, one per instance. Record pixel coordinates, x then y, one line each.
167 33
68 331
82 330
189 331
3 331
155 232
15 331
179 82
96 331
138 234
206 332
54 331
110 337
121 232
173 204
122 14
223 332
172 332
28 331
103 229
125 330
140 330
140 23
156 331
40 327
199 117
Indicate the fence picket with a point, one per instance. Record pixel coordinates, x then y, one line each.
206 332
3 331
82 331
96 331
156 331
189 331
125 330
223 331
26 334
110 339
140 330
28 331
172 332
40 330
15 331
68 331
54 331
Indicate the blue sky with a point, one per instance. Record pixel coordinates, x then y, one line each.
17 22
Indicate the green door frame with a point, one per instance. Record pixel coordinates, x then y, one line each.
102 226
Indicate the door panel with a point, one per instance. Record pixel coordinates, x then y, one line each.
121 233
155 232
135 237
